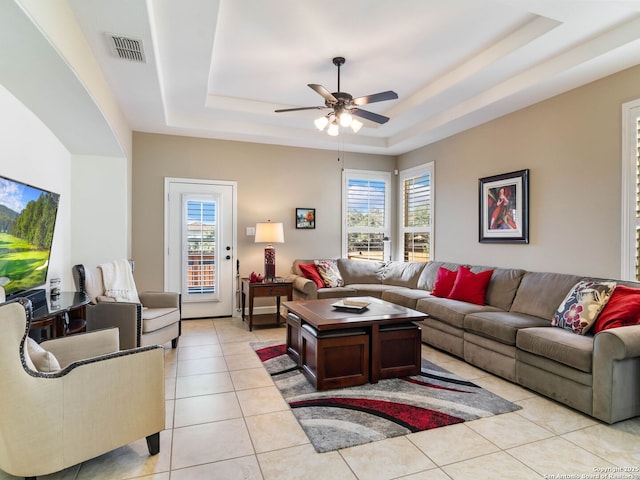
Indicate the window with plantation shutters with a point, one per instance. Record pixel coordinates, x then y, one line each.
365 214
200 244
637 199
416 213
630 267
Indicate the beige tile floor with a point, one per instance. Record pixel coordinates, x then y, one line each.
226 420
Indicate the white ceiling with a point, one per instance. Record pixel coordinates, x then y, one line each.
219 69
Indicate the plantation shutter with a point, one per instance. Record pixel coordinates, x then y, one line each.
366 214
416 214
637 195
201 247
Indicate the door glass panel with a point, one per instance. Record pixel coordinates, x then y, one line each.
201 252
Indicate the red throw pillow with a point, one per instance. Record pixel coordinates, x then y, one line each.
470 287
310 271
623 308
445 279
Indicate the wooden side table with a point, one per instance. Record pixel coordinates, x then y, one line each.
277 288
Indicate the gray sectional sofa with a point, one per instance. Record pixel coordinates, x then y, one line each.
511 335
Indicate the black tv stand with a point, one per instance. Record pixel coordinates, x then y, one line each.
66 314
38 297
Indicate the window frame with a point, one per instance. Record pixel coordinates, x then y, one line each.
414 172
375 175
630 220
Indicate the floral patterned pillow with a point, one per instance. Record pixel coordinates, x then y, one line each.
582 305
328 270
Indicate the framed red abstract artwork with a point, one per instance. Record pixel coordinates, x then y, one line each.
504 208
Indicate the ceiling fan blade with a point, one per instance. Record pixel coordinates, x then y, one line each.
376 97
298 109
374 117
326 94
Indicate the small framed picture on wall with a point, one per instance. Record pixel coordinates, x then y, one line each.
305 218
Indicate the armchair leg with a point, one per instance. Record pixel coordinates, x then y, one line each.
153 442
174 342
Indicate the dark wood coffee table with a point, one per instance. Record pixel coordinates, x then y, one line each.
388 326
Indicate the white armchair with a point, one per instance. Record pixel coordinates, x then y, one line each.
154 321
73 398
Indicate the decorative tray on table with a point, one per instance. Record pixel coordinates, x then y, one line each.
350 305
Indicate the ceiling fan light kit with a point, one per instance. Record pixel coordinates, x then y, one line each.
345 119
321 122
344 107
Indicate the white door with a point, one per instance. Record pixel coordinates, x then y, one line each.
200 245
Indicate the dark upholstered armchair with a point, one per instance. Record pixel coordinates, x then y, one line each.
73 398
155 320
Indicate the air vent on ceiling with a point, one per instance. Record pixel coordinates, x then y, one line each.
127 48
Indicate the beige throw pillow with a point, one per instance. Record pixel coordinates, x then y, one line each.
328 270
42 360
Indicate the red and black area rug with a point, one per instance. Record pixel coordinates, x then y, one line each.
341 418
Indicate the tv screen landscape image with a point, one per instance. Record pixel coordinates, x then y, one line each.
27 221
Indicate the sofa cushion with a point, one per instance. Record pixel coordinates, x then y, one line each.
310 271
444 282
156 318
429 274
503 285
337 292
328 270
470 287
360 271
539 294
402 274
622 309
501 326
582 305
559 345
450 311
406 297
370 289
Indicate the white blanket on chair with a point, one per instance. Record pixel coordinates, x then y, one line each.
118 281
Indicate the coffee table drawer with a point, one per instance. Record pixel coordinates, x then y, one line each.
400 351
335 358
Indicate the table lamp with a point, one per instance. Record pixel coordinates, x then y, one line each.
269 233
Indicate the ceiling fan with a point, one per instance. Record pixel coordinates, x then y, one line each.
344 106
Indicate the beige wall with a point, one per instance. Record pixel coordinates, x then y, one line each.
100 210
572 146
31 154
272 182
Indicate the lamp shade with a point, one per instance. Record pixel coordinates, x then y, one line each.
269 232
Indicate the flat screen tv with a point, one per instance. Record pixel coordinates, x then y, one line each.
27 221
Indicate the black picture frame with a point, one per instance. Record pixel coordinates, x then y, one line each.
504 208
305 218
